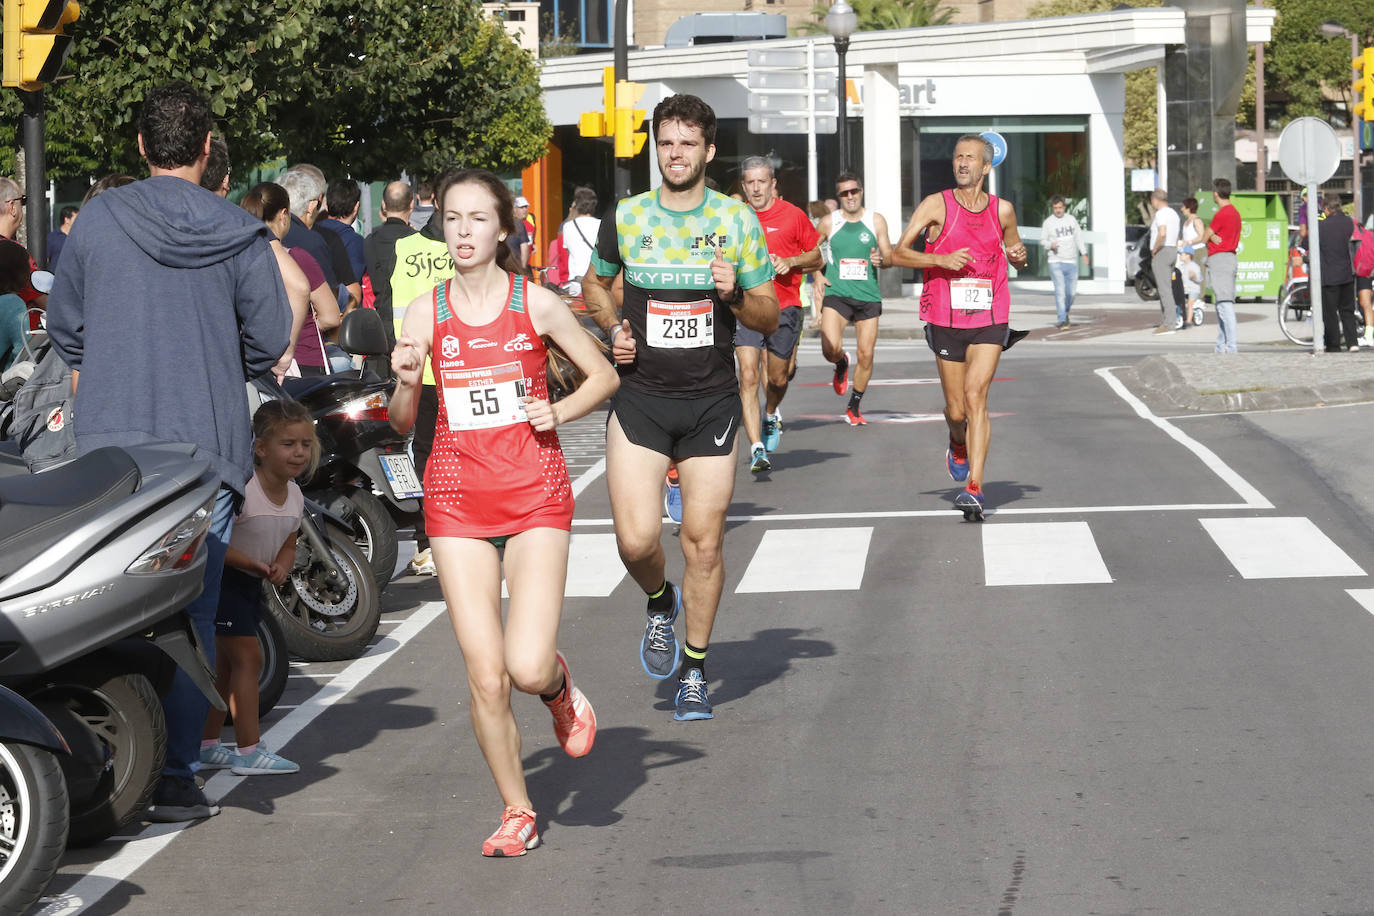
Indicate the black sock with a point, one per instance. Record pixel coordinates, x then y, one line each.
661 601
692 657
855 396
557 694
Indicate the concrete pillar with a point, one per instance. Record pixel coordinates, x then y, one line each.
1203 80
882 166
1106 147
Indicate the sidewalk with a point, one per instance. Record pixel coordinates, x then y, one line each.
1183 374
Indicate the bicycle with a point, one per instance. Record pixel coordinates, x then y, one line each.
1295 314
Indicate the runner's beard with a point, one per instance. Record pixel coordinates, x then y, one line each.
694 177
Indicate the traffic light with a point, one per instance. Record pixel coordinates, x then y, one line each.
34 44
628 140
601 123
1362 85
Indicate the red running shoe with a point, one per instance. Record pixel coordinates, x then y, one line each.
841 380
516 835
574 720
854 417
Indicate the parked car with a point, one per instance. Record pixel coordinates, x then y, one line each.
1133 235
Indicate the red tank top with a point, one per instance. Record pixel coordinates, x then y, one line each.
976 296
490 474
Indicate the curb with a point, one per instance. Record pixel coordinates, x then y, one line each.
1157 379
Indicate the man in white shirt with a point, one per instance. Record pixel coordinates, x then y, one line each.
1063 241
579 236
1164 230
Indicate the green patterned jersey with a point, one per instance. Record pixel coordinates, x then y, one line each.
683 333
848 270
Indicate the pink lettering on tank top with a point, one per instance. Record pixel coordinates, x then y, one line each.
982 284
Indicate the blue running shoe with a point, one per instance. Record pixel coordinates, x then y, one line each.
672 500
956 462
659 651
970 502
760 462
692 699
217 757
772 433
262 762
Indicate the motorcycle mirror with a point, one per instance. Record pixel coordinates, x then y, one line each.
41 280
363 334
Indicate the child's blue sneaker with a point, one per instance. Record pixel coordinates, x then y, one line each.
262 762
218 757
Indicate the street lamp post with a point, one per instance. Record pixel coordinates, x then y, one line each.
1336 30
841 22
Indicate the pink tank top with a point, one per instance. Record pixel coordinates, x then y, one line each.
976 296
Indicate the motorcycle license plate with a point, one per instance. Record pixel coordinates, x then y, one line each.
400 474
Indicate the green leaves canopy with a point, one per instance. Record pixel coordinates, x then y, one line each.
876 15
370 87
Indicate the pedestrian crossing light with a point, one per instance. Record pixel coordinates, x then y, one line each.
35 46
1362 86
628 139
601 123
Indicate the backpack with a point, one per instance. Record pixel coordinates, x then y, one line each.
42 420
556 273
1364 254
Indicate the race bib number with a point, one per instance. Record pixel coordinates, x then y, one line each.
974 295
484 398
681 325
853 268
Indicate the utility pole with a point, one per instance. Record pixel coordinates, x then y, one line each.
620 174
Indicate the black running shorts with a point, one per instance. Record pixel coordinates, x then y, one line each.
679 427
240 604
952 343
853 309
1362 283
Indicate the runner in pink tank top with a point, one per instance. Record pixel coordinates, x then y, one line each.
970 237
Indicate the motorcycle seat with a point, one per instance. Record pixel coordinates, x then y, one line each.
301 389
38 510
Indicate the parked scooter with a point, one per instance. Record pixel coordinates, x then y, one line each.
33 802
1145 286
366 476
98 558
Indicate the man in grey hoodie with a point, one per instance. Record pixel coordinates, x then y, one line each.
169 300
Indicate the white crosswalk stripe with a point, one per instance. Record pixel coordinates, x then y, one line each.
808 560
1042 553
1279 548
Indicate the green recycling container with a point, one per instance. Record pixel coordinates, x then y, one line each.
1262 257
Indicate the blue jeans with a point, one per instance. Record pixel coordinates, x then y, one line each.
185 706
1064 275
1226 327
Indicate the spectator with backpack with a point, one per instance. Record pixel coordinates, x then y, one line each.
578 235
1364 286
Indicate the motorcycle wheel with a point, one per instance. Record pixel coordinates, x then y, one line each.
323 620
1145 286
375 533
33 823
113 723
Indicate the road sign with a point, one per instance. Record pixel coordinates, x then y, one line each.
793 58
1309 151
999 146
789 124
774 102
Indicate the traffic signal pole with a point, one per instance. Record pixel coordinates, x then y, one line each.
620 175
35 176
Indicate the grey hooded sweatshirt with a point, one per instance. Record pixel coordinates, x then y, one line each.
167 299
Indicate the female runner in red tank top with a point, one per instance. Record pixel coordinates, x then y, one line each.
970 237
496 478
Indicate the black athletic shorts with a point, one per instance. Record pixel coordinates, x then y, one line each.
1364 283
853 309
240 604
679 427
781 342
952 343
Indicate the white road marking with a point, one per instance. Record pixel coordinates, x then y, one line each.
594 567
1365 596
135 851
950 514
1254 499
808 560
1042 553
1279 548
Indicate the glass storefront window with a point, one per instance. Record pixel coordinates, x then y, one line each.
1046 155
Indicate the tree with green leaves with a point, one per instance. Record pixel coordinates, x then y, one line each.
1305 72
368 87
876 15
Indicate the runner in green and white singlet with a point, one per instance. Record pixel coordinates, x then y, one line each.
859 246
693 262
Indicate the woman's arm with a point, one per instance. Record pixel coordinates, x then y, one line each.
408 361
552 318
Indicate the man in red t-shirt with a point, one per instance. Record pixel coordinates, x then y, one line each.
1223 238
794 247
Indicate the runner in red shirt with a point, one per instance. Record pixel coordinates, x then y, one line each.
496 478
794 247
